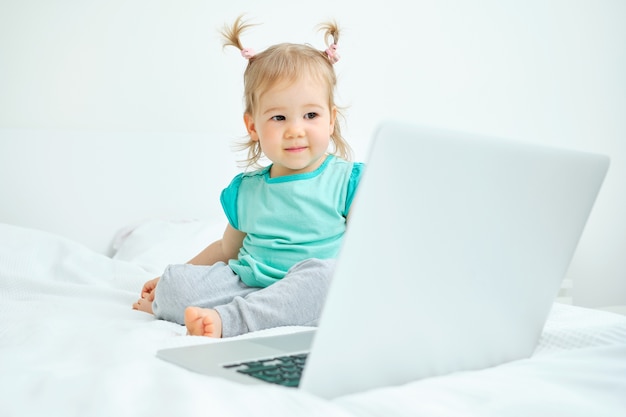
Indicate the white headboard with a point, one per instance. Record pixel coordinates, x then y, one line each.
89 185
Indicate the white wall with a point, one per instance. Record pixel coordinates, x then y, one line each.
547 71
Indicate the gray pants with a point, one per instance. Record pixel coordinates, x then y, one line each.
295 300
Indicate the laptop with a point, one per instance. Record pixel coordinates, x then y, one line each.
454 254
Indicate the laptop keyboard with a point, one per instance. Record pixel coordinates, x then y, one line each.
282 370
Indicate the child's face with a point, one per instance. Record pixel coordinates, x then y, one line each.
293 125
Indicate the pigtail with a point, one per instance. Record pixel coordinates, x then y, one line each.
331 32
231 35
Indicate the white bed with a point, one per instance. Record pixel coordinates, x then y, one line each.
70 344
82 228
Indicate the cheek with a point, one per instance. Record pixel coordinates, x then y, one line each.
263 131
266 132
268 138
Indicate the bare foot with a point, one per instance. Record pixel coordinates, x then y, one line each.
203 322
143 305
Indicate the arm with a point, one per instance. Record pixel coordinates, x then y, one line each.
221 250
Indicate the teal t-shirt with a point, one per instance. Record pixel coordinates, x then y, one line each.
289 219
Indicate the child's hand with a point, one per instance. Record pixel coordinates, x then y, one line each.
147 292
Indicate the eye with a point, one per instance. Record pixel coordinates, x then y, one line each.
278 118
311 115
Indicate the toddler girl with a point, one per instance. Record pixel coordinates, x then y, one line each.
286 220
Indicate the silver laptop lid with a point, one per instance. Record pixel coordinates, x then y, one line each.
455 250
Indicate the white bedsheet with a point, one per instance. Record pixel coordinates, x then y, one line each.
70 345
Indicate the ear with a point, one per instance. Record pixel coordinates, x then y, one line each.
250 126
333 119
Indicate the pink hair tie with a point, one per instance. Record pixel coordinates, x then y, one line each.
333 56
247 53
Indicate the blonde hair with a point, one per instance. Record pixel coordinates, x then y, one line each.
286 62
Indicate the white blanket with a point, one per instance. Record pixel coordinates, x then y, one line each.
70 345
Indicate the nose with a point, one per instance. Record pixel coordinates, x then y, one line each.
294 130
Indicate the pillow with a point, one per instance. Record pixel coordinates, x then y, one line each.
154 244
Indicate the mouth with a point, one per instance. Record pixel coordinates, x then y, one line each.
296 149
